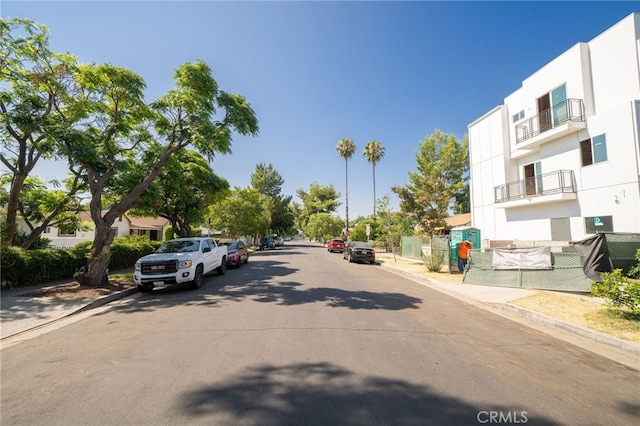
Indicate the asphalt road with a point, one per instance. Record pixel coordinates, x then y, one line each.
300 336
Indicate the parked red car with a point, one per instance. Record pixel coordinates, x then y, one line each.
335 245
237 254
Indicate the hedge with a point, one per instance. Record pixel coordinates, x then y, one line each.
21 267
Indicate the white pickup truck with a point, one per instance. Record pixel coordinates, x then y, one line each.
182 260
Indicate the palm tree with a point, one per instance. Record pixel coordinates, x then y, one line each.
373 152
346 148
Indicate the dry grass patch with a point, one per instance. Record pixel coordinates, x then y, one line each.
582 311
417 267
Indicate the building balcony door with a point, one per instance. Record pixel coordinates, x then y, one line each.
532 179
544 105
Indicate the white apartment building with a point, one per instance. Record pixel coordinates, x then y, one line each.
560 160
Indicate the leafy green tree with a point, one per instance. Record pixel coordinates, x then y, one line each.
323 225
462 203
442 162
111 145
242 212
319 199
183 190
35 84
41 207
269 182
360 230
346 147
392 226
373 152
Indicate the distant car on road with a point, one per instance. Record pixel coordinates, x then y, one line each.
238 253
335 245
267 243
359 251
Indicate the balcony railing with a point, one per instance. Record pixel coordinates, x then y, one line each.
569 110
546 184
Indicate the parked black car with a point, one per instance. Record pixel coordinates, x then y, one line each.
267 243
359 251
238 253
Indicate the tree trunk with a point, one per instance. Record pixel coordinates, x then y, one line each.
346 189
374 191
26 160
96 271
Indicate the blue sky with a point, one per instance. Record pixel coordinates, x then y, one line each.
317 72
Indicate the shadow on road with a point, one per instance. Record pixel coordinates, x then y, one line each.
291 293
261 282
326 394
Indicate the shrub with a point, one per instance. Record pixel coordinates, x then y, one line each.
28 267
619 292
434 262
634 272
126 250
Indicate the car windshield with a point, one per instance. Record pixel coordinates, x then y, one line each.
179 246
231 244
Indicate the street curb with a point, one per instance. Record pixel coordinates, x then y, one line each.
630 348
105 299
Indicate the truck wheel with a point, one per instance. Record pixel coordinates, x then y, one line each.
222 269
197 279
145 289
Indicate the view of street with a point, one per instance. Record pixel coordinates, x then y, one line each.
300 336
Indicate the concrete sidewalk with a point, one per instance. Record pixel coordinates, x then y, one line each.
20 313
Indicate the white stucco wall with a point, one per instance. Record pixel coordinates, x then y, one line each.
605 74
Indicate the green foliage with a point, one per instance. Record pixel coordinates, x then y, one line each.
28 267
323 225
634 272
319 199
126 250
36 92
442 163
359 232
434 262
168 233
243 212
392 226
346 148
267 181
619 292
39 243
182 191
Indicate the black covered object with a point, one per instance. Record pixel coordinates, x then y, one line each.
594 256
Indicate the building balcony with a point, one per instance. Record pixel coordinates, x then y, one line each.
562 119
546 188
